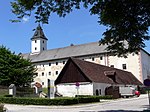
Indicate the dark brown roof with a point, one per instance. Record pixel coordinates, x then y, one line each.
39 33
77 70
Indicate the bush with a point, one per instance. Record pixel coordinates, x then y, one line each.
8 95
56 101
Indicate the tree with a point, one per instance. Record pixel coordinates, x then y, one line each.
14 69
127 21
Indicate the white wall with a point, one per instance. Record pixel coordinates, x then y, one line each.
39 45
100 87
145 65
70 90
49 69
132 64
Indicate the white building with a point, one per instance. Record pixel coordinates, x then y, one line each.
49 63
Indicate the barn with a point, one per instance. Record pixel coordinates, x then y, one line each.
79 77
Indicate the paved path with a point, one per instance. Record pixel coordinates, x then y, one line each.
120 105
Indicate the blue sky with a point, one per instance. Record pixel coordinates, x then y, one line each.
78 27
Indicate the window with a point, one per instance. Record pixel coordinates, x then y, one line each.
56 72
49 64
63 62
43 41
124 66
42 83
43 65
112 66
43 48
101 57
42 73
99 91
92 59
56 63
49 73
35 48
35 41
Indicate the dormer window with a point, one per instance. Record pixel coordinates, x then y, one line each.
111 75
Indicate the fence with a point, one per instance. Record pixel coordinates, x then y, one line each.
25 92
20 91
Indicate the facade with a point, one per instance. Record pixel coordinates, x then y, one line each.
80 77
49 63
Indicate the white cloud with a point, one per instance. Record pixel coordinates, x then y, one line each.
25 19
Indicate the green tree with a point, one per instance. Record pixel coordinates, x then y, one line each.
14 69
127 21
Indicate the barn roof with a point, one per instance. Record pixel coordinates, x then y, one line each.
66 52
77 70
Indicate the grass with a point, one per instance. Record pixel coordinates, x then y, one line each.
3 92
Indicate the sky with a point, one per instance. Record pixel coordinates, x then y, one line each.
78 27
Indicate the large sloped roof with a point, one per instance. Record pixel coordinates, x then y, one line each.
94 73
66 52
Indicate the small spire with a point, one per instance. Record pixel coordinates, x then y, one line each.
39 33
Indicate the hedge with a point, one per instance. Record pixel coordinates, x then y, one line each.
56 101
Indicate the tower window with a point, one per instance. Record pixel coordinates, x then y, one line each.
43 41
35 41
43 48
49 73
35 48
124 66
56 72
49 64
56 63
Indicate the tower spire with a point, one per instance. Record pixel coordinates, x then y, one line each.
39 33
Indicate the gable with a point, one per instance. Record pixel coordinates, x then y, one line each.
71 74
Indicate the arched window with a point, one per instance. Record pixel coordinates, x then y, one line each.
97 92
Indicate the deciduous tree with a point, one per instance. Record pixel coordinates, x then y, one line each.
14 69
127 21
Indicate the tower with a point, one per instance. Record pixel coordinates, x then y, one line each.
38 41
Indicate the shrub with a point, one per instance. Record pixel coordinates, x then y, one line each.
56 101
8 95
